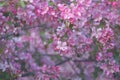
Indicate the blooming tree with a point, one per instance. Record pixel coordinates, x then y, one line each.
59 39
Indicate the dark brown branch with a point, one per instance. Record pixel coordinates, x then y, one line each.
75 60
12 34
62 62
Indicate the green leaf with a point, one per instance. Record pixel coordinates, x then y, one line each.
5 76
56 58
1 50
96 46
112 0
71 26
2 4
50 3
49 41
96 72
22 4
6 14
9 22
116 55
102 24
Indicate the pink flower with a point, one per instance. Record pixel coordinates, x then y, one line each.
105 35
61 46
65 12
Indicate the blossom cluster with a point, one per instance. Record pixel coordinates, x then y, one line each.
53 39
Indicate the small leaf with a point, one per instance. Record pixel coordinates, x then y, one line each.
96 72
50 3
49 41
102 24
57 57
22 3
1 50
2 4
5 76
112 0
9 22
71 26
6 14
116 55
